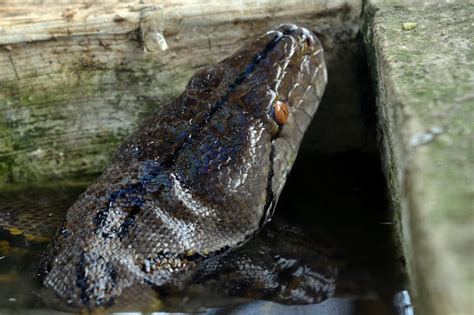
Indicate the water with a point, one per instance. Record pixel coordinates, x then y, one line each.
339 195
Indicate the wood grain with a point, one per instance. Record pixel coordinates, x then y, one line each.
75 79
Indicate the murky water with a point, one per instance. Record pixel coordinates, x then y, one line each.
339 195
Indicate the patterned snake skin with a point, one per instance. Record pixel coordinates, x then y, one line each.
197 180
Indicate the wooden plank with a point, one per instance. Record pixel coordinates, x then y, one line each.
76 79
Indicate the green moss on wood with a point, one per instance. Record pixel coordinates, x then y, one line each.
70 127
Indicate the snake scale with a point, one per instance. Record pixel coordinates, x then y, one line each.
197 180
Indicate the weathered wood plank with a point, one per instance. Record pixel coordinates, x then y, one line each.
425 99
76 79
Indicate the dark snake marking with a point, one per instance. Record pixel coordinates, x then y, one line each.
198 179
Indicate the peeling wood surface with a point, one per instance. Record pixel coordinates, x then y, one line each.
77 78
21 24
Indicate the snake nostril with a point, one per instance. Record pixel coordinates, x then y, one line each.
288 29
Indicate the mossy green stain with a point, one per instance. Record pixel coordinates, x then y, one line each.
38 120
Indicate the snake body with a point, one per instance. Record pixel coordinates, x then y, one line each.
198 179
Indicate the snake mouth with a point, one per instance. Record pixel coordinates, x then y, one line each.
298 89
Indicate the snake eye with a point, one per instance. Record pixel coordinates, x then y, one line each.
281 112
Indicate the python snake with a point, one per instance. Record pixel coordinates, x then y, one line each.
197 180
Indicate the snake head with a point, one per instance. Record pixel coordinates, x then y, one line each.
283 77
